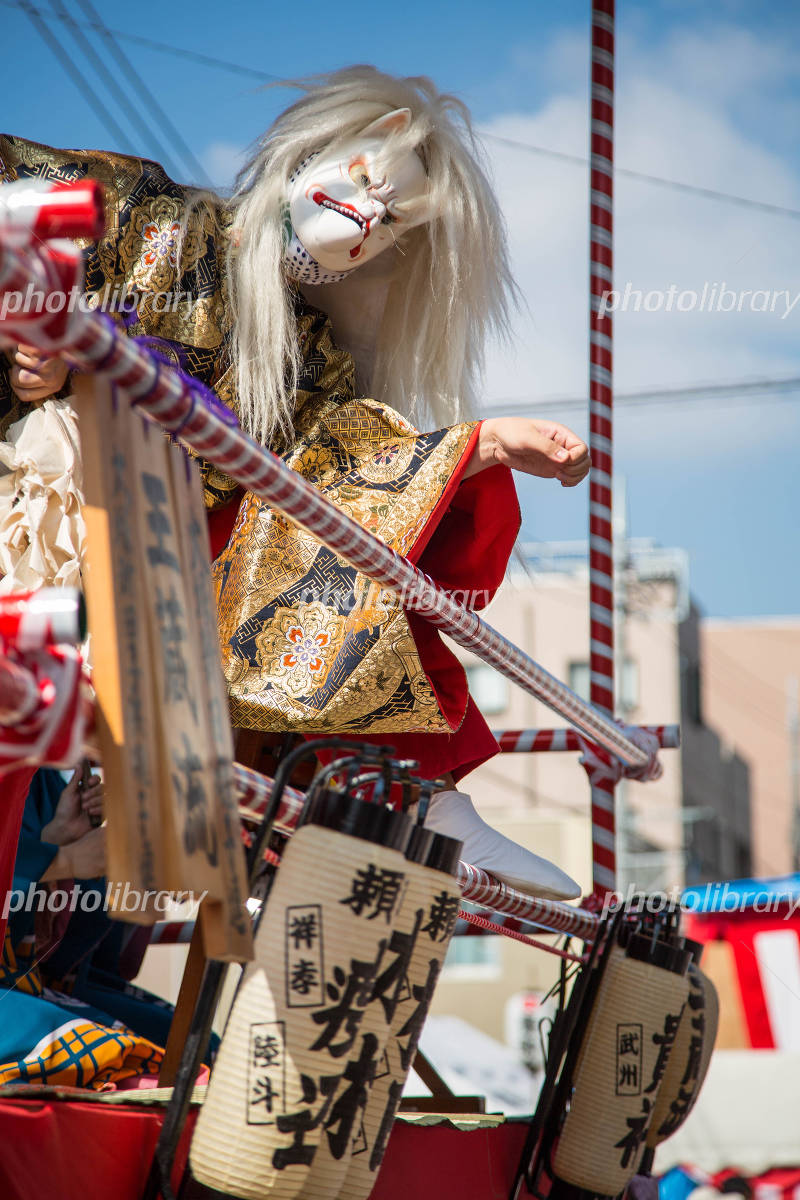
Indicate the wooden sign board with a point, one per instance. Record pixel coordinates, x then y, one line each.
226 926
164 726
186 772
126 719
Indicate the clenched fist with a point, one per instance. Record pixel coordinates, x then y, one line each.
34 376
542 448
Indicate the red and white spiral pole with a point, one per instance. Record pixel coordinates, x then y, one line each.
533 741
601 550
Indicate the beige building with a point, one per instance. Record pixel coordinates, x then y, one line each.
724 683
542 800
750 672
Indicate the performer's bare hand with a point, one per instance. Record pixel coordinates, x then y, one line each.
82 859
86 858
35 376
72 818
543 448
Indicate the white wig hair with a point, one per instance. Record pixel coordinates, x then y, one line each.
450 283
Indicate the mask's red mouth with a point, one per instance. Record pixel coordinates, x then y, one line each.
345 210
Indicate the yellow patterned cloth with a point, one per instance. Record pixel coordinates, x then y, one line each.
68 1048
309 645
133 269
71 1045
19 966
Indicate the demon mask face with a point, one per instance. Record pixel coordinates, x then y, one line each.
348 204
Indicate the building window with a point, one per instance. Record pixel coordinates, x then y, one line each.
628 685
693 695
579 678
474 955
488 689
627 682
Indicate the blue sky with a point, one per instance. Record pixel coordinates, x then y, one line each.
708 94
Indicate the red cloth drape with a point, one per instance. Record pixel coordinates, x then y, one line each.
13 790
76 1150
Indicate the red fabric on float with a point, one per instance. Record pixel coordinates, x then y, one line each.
464 547
451 1164
76 1150
14 787
220 524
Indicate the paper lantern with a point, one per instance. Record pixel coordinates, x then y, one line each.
624 1055
426 924
298 1052
689 1060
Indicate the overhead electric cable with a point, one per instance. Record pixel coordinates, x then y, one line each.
644 177
223 64
722 393
100 68
85 88
206 60
145 93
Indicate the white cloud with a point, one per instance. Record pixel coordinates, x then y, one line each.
677 118
679 115
222 161
724 62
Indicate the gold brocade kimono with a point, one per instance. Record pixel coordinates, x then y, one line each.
309 645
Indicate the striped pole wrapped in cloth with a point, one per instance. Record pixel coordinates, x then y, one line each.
532 741
601 553
479 887
254 792
172 933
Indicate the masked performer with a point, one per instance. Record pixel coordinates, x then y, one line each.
363 254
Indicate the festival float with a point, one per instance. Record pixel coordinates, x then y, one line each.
343 848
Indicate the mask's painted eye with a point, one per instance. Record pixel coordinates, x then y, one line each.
359 175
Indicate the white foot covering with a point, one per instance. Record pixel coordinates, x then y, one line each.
453 814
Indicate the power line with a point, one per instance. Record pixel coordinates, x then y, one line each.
206 60
85 88
725 393
644 177
91 55
209 60
145 92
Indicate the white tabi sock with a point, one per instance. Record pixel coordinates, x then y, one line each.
453 813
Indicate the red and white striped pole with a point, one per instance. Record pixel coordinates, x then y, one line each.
533 741
477 887
19 693
601 553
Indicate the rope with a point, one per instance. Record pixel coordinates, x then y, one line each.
490 927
